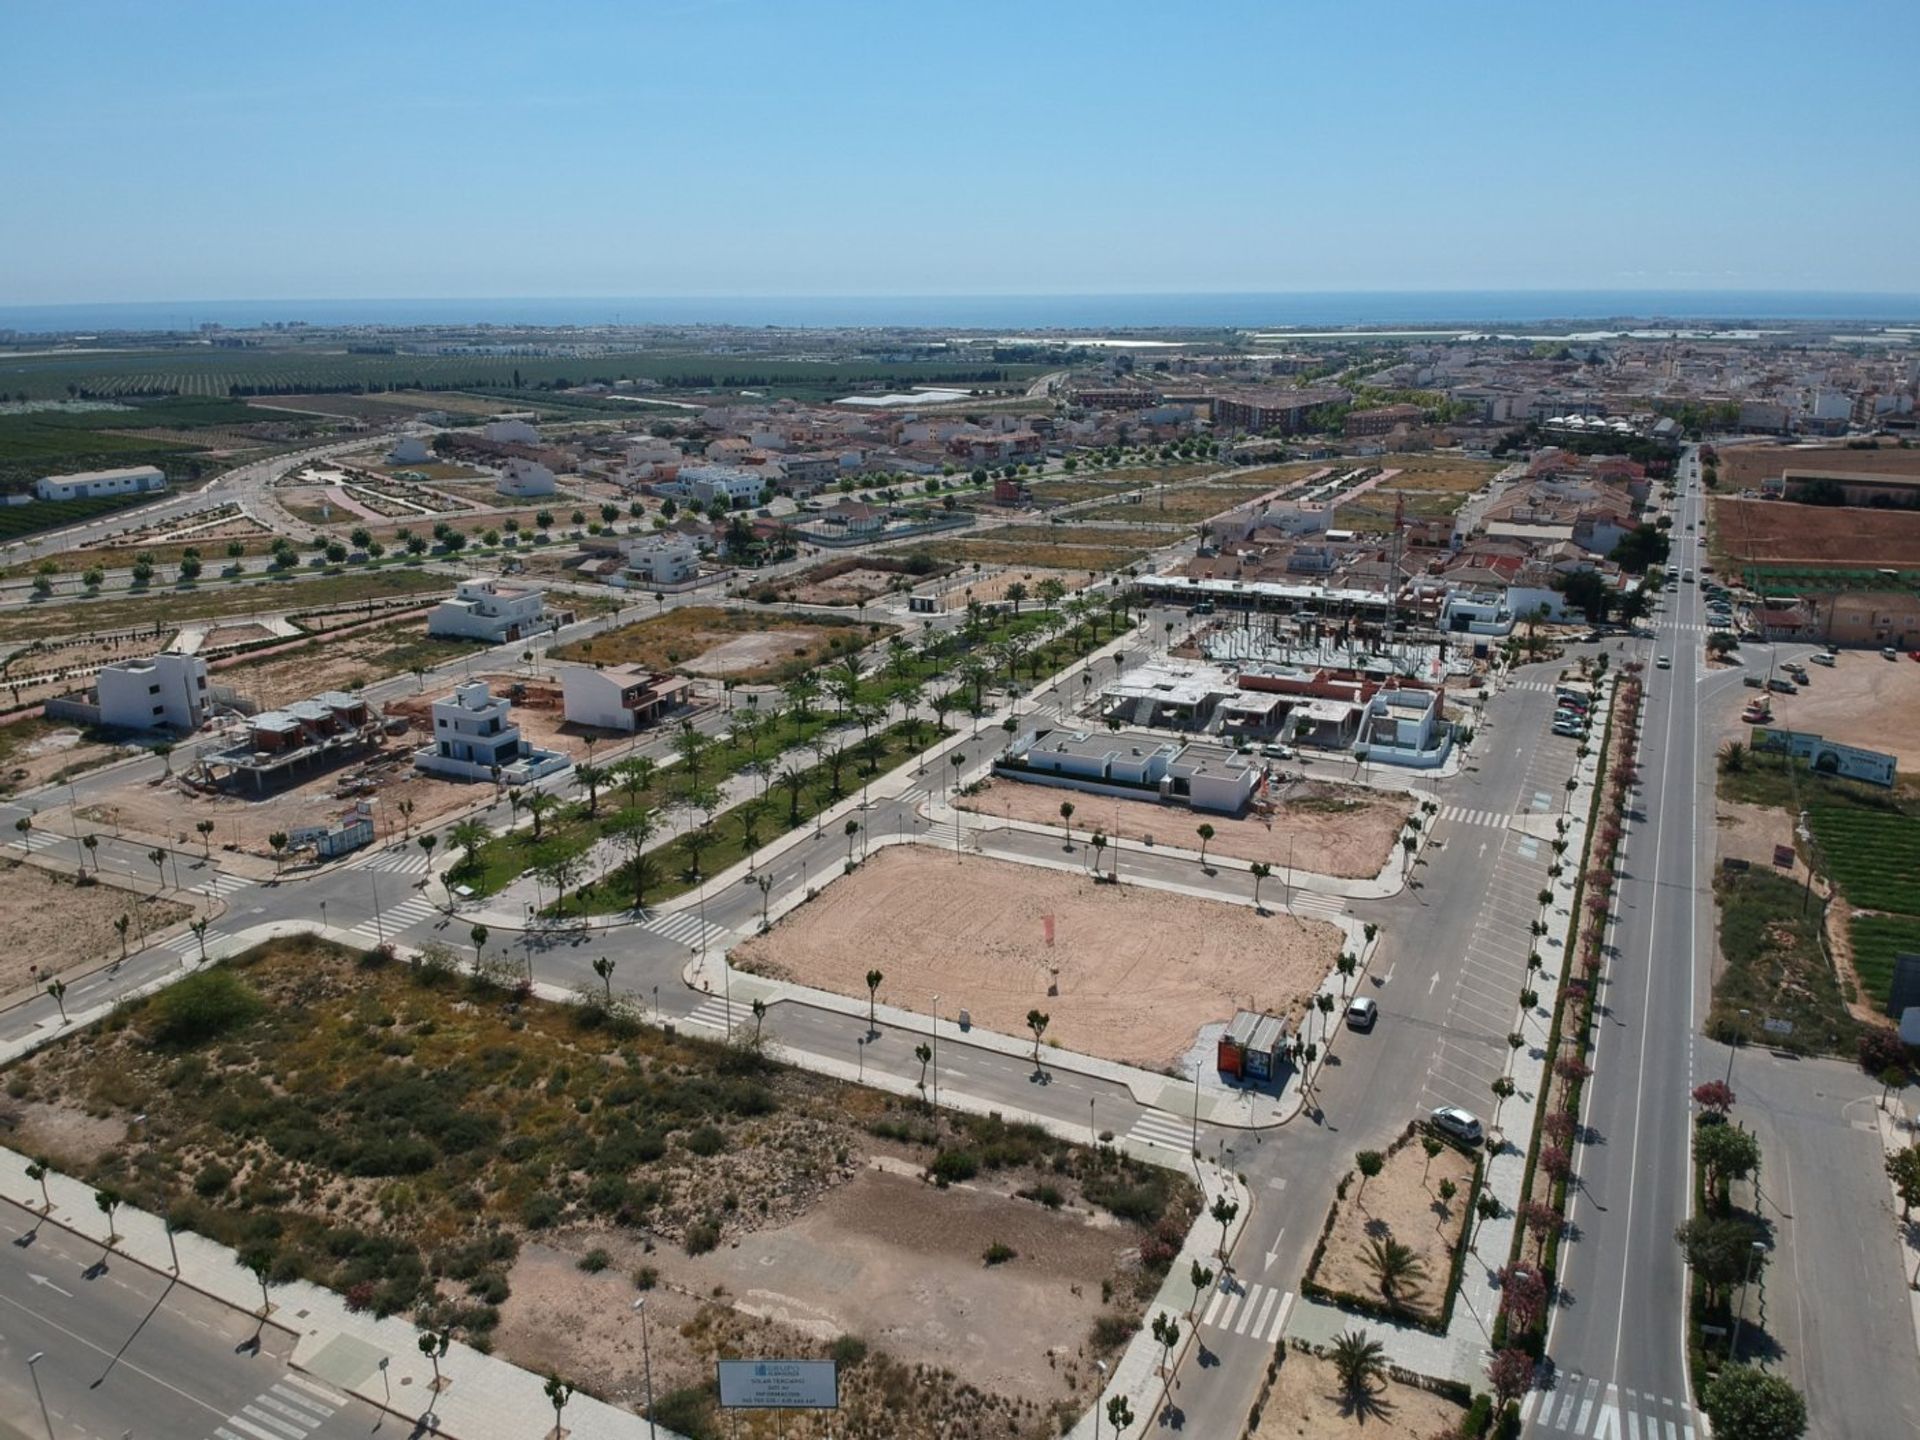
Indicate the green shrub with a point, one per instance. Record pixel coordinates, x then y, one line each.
212 1180
202 1007
952 1165
707 1141
848 1351
594 1261
542 1209
702 1236
999 1253
689 1412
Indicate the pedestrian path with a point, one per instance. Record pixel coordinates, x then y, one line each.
1544 686
37 840
711 1014
1461 815
392 920
1606 1412
1165 1131
288 1410
685 927
1256 1311
410 861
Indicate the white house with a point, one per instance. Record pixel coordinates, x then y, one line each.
409 450
90 484
736 486
1212 777
160 692
619 697
667 559
474 740
511 432
490 610
525 479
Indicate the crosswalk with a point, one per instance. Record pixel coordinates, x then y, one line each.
1461 815
290 1409
393 919
408 861
1539 685
1166 1132
181 946
711 1014
684 927
1326 907
221 884
1256 1311
1606 1412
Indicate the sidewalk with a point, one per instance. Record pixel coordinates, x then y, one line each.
483 1397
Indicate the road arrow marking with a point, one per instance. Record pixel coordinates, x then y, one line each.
42 1280
1274 1253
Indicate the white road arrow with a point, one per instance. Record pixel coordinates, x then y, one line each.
1274 1253
42 1280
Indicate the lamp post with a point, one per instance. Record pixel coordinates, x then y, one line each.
33 1361
1754 1248
1099 1394
646 1356
1733 1045
936 1054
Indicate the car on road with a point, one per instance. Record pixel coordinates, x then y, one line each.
1277 752
1362 1012
1889 653
1665 662
1568 729
1461 1124
1755 681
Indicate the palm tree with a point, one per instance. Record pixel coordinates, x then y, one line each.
923 1053
874 977
794 782
591 776
1015 593
635 829
1205 832
1223 1213
852 829
469 835
603 967
1261 870
1397 1270
1066 819
759 1018
1360 1363
538 804
1037 1023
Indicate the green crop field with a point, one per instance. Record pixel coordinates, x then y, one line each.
195 371
1876 940
18 520
1873 855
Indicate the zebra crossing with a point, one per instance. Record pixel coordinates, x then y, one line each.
684 927
1256 1311
1606 1412
1326 907
290 1409
33 840
711 1014
411 860
220 885
1462 815
1166 1132
392 920
1540 685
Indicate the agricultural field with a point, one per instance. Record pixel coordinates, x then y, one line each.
1875 940
1178 507
1743 467
748 646
437 1145
316 370
18 521
169 433
1787 547
1873 855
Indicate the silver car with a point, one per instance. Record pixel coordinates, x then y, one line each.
1461 1124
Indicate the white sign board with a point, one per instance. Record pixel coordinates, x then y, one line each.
779 1384
1826 757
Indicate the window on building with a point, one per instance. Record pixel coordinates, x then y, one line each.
153 689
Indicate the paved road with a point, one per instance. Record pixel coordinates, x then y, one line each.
127 1352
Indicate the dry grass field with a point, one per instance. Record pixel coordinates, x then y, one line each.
55 927
744 645
1743 467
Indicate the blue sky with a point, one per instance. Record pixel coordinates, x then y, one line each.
190 150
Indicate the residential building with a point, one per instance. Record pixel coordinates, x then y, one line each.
1869 617
1201 775
492 610
277 744
803 474
510 431
525 479
1261 410
474 740
620 697
92 484
160 692
409 450
1381 420
665 559
733 485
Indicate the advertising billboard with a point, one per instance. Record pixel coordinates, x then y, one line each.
1827 757
779 1384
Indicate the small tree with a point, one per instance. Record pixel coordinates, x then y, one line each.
1903 1168
1205 832
874 977
1201 1276
1066 820
120 926
259 1260
559 1392
37 1170
199 929
1223 1212
1119 1414
479 935
108 1199
1749 1404
1360 1363
1260 870
205 827
57 988
1432 1146
1715 1097
603 967
1037 1023
852 828
1370 1163
1510 1374
759 1018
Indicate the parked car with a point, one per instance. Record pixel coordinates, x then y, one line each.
1568 730
1461 1124
1755 681
1783 687
1822 658
1277 752
1889 653
1665 662
1362 1012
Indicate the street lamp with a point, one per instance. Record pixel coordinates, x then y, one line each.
646 1355
936 1054
1099 1394
1754 1248
32 1361
1733 1044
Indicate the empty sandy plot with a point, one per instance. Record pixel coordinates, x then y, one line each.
1306 1401
1863 700
55 927
1401 1203
1138 971
1339 830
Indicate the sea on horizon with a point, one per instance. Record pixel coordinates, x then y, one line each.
1451 309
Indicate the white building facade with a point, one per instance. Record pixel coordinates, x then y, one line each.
473 739
492 611
525 479
90 484
160 692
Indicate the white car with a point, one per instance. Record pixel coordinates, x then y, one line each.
1461 1124
1665 662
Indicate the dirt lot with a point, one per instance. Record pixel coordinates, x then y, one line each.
341 661
1749 832
1342 830
1772 532
436 1147
1743 467
747 645
1088 552
1863 700
988 587
56 927
36 752
1402 1202
1306 1401
1138 971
